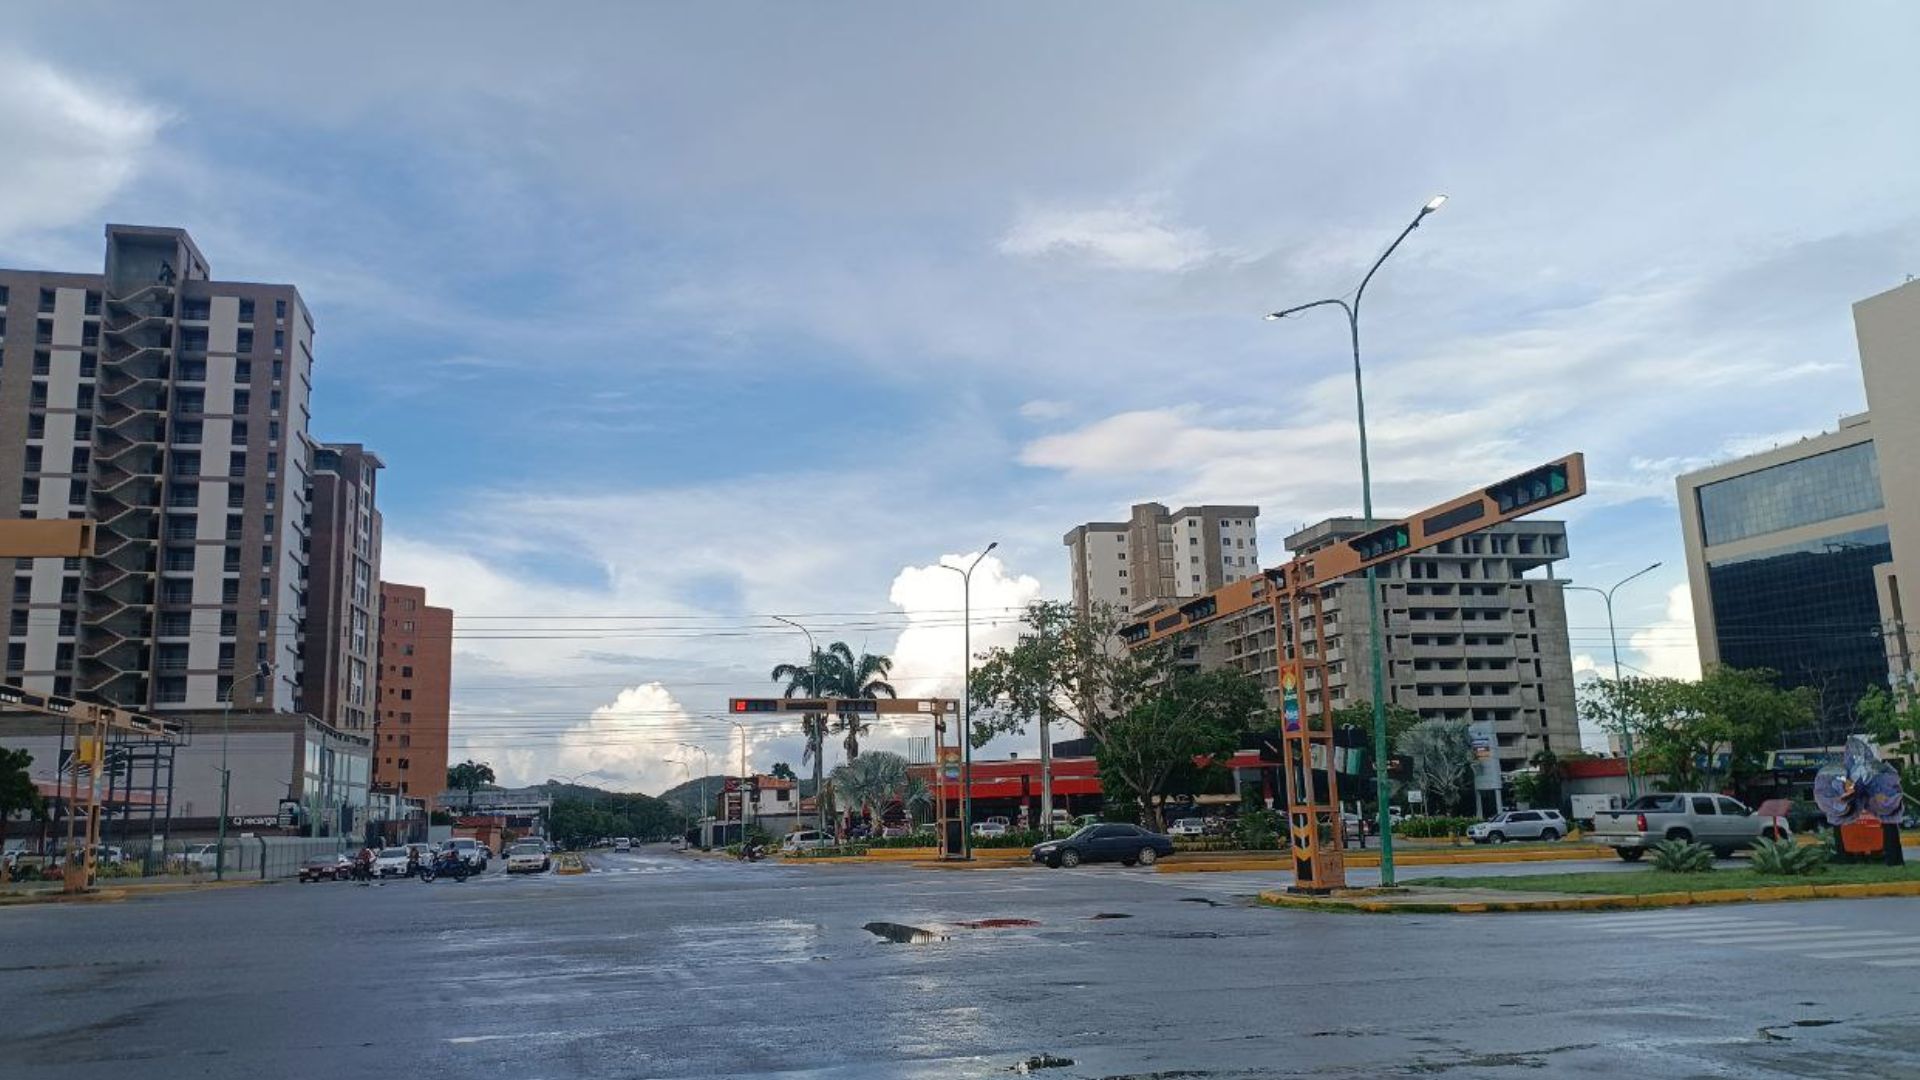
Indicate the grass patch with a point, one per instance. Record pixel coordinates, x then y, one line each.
1637 882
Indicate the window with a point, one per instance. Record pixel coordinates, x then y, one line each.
16 655
273 401
243 341
33 458
30 490
279 370
406 672
266 588
242 402
42 362
279 309
279 341
1730 808
406 695
407 625
22 589
1703 805
17 622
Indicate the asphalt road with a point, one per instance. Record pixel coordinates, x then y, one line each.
665 965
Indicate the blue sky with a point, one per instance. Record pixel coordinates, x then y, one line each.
714 311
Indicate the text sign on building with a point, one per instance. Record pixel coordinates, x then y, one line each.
1486 757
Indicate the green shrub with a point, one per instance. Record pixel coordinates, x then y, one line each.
1259 830
1787 858
1682 857
1431 827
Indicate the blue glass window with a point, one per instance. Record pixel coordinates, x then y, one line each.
1809 612
1819 488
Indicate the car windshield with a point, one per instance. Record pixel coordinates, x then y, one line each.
1084 832
393 853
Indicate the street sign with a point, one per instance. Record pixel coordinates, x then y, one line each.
1415 795
1290 698
1486 759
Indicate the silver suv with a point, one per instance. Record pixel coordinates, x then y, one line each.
1519 825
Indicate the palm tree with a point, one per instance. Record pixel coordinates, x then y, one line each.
469 776
917 795
843 675
805 679
872 783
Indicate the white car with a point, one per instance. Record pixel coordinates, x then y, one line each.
987 829
622 843
1189 826
1519 825
391 862
807 840
200 858
470 850
527 859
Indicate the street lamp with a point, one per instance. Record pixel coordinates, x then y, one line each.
742 729
1626 733
1352 310
820 752
966 699
706 766
226 774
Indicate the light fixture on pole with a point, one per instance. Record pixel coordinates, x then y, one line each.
226 774
1352 310
1626 733
706 766
745 788
966 699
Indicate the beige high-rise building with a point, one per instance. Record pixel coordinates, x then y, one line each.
1888 329
1156 556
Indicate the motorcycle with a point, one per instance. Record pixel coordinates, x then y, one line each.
751 853
449 863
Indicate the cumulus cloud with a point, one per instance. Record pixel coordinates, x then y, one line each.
625 744
927 654
1112 237
1668 646
71 145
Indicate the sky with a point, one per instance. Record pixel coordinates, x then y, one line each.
670 318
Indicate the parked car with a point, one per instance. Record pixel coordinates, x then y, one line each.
1127 845
892 832
326 868
390 862
471 851
198 858
807 840
1189 826
528 859
622 844
989 828
1715 820
1519 825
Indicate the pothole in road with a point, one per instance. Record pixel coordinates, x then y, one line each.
902 934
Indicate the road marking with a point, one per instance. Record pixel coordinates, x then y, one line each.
1713 926
1765 937
1911 961
1866 952
1639 921
1723 930
1806 941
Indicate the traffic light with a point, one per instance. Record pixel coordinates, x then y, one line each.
1529 487
754 705
1381 543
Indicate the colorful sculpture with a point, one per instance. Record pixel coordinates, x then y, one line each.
1860 788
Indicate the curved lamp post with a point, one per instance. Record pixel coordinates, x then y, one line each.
966 699
1626 733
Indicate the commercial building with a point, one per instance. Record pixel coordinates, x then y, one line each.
342 641
1784 557
1887 327
1155 556
1473 629
415 688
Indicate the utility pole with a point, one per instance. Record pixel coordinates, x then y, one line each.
226 774
820 751
744 778
1626 732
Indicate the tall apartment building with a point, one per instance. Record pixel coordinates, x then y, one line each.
342 642
172 409
1887 327
1467 635
1156 556
415 693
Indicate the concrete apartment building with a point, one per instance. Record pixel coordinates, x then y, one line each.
1468 635
172 409
1157 556
415 693
342 641
1802 558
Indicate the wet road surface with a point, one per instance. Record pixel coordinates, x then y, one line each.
664 965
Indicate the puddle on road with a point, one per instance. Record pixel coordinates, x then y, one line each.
1041 1061
1199 900
901 934
996 924
1110 915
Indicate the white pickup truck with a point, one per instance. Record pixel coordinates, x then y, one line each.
1721 823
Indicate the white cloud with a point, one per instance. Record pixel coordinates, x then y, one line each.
1668 646
927 654
70 146
1113 237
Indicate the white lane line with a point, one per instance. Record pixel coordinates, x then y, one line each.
1765 937
1748 930
1814 941
1911 961
1716 926
1665 920
1866 952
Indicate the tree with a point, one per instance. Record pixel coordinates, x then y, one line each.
806 679
1400 720
17 793
1681 726
1442 753
782 771
1541 786
1066 668
872 782
844 675
469 776
1177 732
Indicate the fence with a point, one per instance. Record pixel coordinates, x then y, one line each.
261 857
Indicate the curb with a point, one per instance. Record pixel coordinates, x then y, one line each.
1611 902
1372 859
96 896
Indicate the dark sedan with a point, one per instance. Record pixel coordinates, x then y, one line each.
1128 845
326 868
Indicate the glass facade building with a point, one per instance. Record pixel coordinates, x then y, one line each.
1836 484
1810 612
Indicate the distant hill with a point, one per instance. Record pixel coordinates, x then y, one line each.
686 797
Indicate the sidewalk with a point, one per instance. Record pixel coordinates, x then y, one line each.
1430 900
112 890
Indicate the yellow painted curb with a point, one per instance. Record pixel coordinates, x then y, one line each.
1610 902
